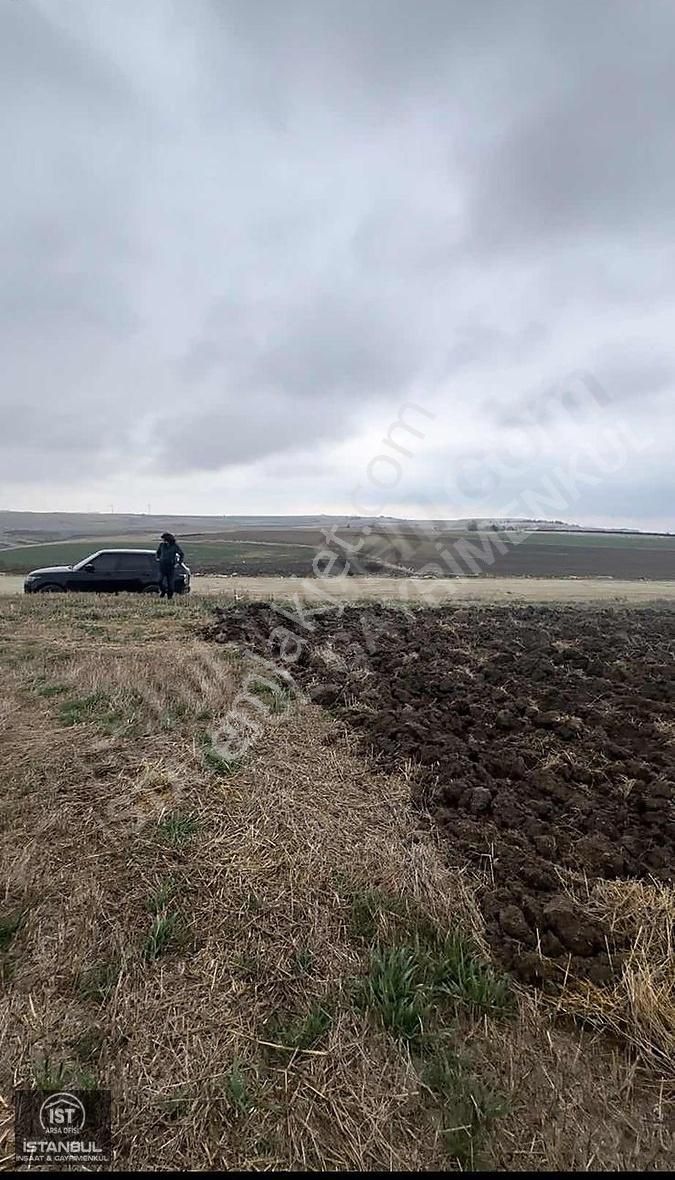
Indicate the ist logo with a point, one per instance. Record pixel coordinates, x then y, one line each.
62 1114
50 1128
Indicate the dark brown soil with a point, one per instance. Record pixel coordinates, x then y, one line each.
541 739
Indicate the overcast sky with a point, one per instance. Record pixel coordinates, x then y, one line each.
238 236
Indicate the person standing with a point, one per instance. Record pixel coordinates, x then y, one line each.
169 553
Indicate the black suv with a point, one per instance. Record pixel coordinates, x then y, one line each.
108 571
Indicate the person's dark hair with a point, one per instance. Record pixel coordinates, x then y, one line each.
169 538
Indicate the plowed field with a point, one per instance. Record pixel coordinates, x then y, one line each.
539 740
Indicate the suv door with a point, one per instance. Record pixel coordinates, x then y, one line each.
136 570
100 574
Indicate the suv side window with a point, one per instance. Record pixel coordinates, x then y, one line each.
105 563
137 563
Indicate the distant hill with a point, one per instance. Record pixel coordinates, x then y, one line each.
19 528
26 528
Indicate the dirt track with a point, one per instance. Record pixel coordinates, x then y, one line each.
540 739
461 590
432 591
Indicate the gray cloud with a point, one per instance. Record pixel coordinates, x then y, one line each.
236 234
283 376
594 156
620 380
42 56
478 343
245 430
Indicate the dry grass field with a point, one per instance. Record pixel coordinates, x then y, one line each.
272 963
416 590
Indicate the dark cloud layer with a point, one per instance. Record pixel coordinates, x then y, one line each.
237 235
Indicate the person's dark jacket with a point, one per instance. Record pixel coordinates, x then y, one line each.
169 553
